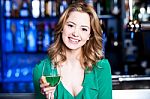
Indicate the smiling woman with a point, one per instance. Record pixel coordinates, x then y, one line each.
76 30
77 57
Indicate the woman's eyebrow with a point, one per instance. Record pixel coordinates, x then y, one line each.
81 25
71 22
85 26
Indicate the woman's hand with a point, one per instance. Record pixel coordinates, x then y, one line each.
46 89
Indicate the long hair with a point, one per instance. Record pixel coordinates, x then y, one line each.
91 51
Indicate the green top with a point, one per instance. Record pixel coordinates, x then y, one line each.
97 84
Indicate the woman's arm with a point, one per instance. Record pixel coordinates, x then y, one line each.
42 88
36 81
105 80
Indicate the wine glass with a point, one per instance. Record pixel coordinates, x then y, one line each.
51 74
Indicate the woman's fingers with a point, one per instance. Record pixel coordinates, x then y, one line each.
49 89
46 89
50 92
44 85
50 95
43 79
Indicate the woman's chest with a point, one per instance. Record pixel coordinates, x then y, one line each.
72 80
79 86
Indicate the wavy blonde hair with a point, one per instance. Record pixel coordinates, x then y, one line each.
91 51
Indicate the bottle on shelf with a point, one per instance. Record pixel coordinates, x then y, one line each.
9 37
31 38
48 8
148 10
24 9
46 37
115 9
108 5
35 8
102 7
98 8
54 8
15 9
63 6
39 39
42 8
7 8
20 37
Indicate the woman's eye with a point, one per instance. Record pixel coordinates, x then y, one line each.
70 25
84 29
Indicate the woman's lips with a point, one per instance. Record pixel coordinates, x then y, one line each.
73 40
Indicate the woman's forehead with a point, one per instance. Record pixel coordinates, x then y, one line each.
79 17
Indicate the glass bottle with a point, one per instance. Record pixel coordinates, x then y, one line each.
31 38
46 38
9 37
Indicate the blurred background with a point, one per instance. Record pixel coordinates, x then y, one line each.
27 28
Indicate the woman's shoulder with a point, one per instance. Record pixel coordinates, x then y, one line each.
103 64
103 69
43 62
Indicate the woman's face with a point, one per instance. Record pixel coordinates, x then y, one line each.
76 30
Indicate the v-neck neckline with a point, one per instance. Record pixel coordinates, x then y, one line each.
80 92
68 90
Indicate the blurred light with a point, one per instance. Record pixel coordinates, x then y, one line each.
135 21
137 25
142 10
140 15
25 71
8 7
144 64
63 6
42 8
17 73
148 9
132 26
132 35
35 8
130 23
49 8
9 73
131 8
115 43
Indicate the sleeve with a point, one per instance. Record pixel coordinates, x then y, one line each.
36 76
105 80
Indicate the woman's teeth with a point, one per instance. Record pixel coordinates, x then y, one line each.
74 40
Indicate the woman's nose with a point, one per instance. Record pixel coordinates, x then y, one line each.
76 32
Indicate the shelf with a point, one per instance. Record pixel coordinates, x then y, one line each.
27 53
145 26
25 79
106 16
52 18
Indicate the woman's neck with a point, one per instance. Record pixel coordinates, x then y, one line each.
73 54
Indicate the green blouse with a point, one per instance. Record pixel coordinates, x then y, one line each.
97 84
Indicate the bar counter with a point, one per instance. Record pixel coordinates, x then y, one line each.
124 87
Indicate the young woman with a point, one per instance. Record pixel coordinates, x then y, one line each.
78 58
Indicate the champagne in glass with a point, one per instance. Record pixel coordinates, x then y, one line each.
53 80
51 74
